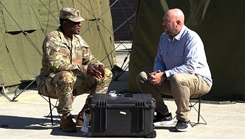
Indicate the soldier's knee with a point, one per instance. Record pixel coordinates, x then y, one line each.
108 73
66 77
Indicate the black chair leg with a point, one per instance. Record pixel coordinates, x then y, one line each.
50 109
198 111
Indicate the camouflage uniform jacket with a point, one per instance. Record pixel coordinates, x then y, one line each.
62 53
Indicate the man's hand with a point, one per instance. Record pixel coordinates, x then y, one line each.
156 78
102 70
96 71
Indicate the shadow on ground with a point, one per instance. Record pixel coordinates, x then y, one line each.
15 122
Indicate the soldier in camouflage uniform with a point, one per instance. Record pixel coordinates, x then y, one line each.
69 69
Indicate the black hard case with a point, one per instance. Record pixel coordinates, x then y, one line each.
122 115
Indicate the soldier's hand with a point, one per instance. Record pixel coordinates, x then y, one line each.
102 70
94 71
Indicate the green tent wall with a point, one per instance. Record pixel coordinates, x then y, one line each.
25 23
220 24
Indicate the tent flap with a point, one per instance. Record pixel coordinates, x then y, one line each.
18 15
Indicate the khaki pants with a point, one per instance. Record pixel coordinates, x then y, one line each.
180 86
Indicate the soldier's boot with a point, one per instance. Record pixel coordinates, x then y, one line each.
67 124
80 121
85 110
80 117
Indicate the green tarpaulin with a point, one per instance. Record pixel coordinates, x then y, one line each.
220 24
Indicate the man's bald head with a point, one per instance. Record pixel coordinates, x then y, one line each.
176 14
173 21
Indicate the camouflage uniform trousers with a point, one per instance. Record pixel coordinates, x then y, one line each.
64 85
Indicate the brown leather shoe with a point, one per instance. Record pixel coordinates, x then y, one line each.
67 124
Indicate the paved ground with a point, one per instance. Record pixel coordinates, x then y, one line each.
23 119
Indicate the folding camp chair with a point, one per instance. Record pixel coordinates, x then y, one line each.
51 108
194 100
193 104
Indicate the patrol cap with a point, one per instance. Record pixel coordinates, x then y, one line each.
71 14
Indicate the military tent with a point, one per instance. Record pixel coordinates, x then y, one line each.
220 24
25 23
